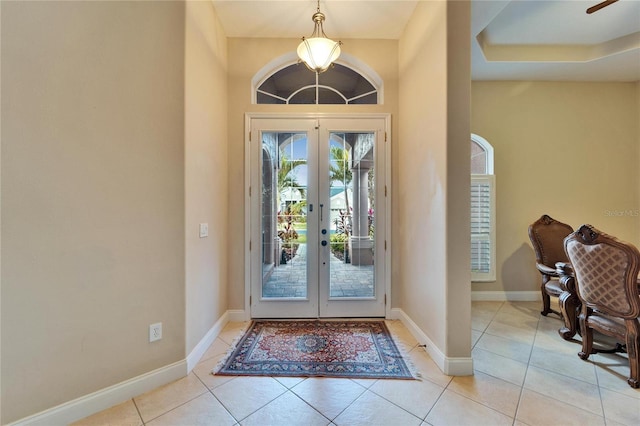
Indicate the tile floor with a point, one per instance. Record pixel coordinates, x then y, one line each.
525 374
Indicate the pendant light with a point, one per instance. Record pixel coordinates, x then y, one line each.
318 52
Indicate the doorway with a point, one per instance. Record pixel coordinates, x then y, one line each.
317 216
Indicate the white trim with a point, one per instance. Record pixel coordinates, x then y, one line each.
87 405
198 351
388 211
247 211
502 296
452 366
238 315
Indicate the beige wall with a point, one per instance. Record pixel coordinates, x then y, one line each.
566 149
205 170
92 196
433 161
246 58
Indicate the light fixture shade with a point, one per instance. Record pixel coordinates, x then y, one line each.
318 53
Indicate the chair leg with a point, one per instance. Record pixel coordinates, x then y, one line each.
587 339
546 304
569 305
546 300
633 348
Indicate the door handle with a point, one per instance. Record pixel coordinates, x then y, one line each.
321 206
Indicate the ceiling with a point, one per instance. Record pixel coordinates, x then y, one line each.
511 39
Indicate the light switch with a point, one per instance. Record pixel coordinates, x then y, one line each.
204 230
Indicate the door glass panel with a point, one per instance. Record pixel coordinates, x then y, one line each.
352 206
284 213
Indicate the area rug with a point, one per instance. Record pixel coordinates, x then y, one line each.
351 349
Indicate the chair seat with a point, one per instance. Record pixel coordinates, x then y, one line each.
612 326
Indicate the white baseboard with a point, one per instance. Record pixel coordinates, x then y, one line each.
453 366
196 354
502 296
238 315
92 403
95 402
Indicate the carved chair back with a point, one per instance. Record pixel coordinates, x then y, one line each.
547 236
606 271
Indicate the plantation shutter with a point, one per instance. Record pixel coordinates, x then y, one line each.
483 228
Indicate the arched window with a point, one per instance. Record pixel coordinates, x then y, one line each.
284 81
483 217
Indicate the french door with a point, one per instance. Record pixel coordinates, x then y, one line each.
317 217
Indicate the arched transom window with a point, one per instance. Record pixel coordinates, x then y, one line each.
295 84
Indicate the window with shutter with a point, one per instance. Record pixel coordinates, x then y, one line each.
483 217
482 228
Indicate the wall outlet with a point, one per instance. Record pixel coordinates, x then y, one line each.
155 332
204 230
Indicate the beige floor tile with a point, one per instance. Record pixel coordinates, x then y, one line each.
415 396
401 336
217 348
482 313
620 408
517 320
427 368
530 309
327 395
537 409
475 336
566 364
232 332
489 307
159 401
205 410
455 409
613 371
288 410
488 390
564 389
550 324
244 395
365 383
511 331
498 366
289 382
203 371
508 348
553 342
124 414
371 409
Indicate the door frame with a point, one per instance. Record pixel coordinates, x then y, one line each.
247 192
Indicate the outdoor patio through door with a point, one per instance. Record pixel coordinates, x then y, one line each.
318 216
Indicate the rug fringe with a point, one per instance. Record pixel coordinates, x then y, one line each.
232 348
415 372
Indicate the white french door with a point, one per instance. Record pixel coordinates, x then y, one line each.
317 221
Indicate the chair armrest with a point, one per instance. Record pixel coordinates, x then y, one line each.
544 269
563 268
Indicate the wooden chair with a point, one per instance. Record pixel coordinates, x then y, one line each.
547 236
606 272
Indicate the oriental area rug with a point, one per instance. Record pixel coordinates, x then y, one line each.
349 349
